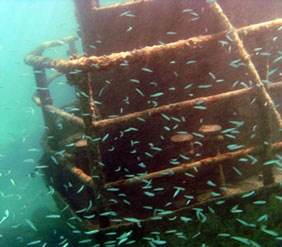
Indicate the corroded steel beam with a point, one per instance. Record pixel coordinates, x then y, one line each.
190 166
67 166
35 97
175 107
93 149
44 46
88 180
67 116
107 62
262 92
267 106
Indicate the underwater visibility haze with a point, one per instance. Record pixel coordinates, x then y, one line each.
141 123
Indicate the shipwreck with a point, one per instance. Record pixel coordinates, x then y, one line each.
178 107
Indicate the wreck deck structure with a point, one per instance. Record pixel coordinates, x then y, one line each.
178 103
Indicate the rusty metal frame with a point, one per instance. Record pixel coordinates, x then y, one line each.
77 70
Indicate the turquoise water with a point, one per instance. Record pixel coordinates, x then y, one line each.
24 199
24 25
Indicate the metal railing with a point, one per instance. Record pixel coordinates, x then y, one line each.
77 71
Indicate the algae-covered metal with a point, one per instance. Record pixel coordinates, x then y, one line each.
174 99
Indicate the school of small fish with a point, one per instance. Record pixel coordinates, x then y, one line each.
168 124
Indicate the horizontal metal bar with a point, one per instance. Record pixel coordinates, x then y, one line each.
138 55
67 116
190 166
175 107
46 45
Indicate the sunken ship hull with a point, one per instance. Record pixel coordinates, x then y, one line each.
177 118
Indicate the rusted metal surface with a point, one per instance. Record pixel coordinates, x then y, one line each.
127 120
99 155
62 114
107 62
93 149
261 89
190 166
267 105
142 19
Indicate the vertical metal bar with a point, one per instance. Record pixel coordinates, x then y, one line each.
45 99
264 100
93 149
213 141
262 91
